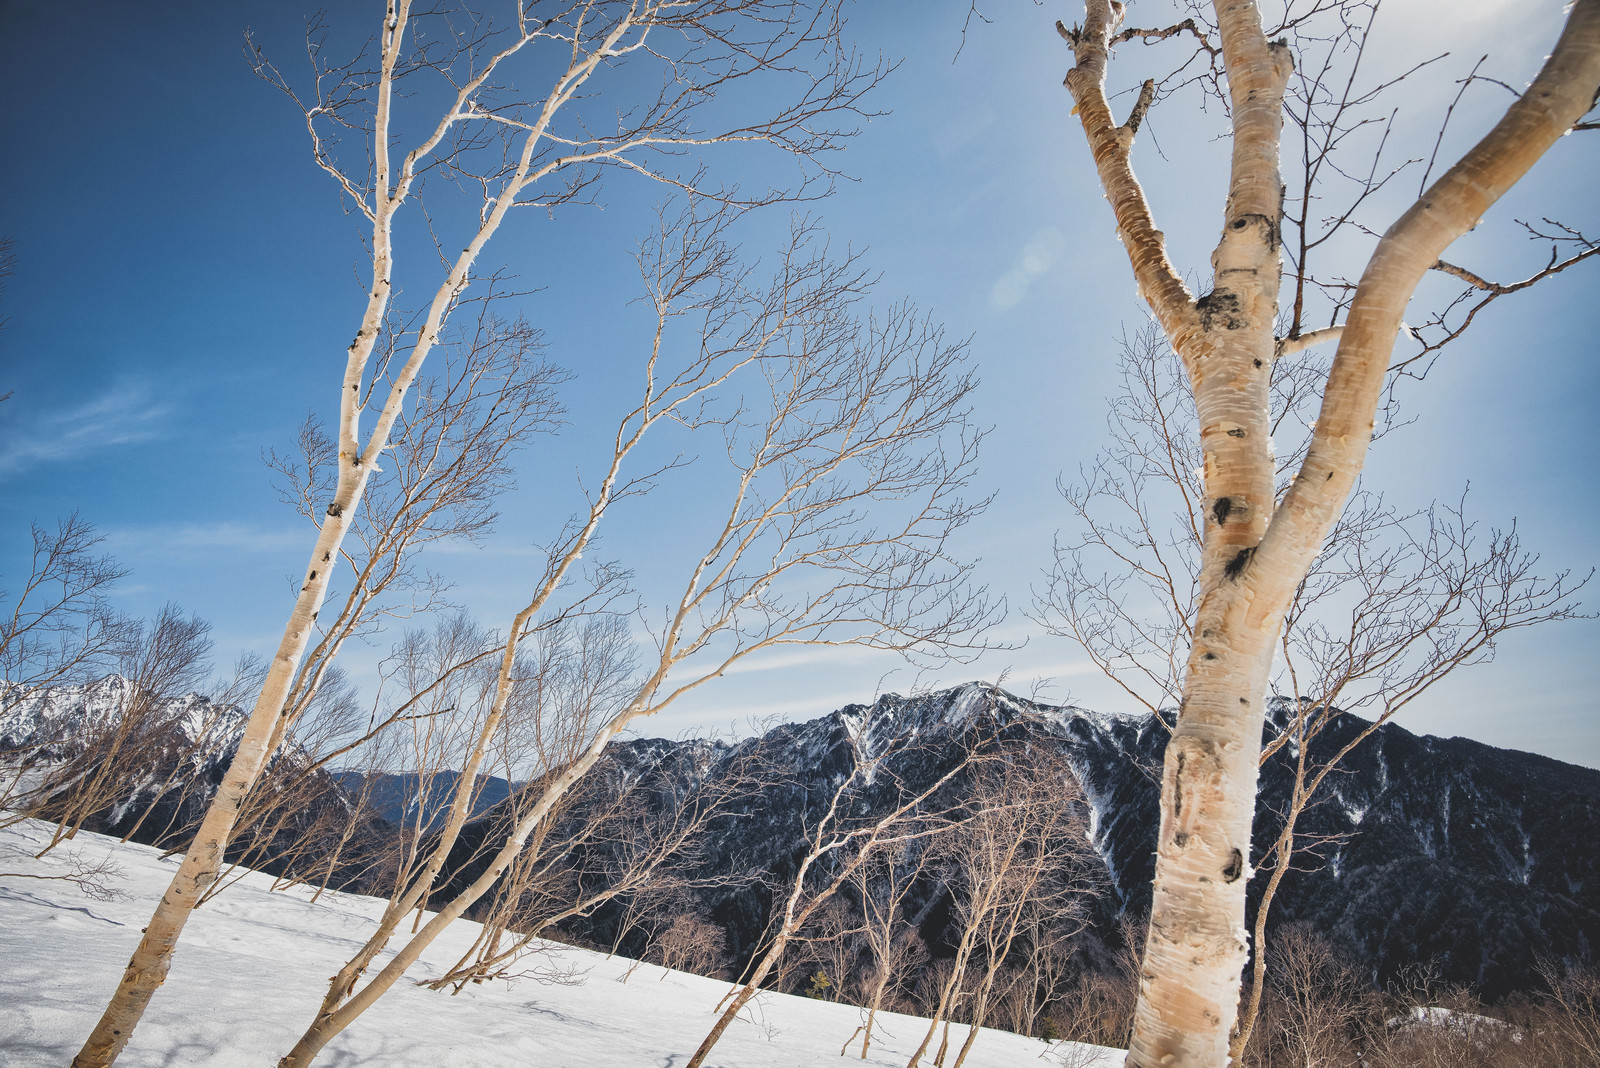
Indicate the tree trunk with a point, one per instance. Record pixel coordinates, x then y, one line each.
872 1012
1255 553
1196 950
946 994
147 969
751 987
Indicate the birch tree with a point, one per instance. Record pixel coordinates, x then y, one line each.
1392 604
625 833
836 848
846 443
531 116
1014 867
1258 544
58 625
889 937
166 659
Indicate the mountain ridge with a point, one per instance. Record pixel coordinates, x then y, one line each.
1444 850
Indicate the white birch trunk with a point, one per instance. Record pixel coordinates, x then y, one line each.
1254 554
147 968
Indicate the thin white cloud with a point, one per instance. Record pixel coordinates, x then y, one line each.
803 656
1038 256
189 537
122 415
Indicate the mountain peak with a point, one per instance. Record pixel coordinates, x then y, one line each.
57 719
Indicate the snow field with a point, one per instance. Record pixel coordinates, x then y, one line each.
253 965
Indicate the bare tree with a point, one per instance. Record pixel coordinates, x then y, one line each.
1015 870
457 717
1097 1006
820 960
1424 1022
59 627
839 414
1427 595
1392 604
889 937
1569 1028
1046 905
1048 959
1257 546
519 140
691 944
97 767
452 457
1317 1001
298 818
643 919
115 756
624 833
835 849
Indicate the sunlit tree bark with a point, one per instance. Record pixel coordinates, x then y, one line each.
503 138
1393 603
1256 548
847 445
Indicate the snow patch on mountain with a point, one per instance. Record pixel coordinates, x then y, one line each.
54 722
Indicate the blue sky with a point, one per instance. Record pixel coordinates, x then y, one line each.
186 283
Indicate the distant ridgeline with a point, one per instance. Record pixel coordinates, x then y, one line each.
1475 860
105 757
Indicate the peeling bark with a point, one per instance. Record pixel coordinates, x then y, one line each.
1254 553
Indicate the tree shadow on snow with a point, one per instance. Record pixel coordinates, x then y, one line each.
14 894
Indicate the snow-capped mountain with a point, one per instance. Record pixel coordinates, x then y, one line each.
1427 850
1444 851
61 721
105 756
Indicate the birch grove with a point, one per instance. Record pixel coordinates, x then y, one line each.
531 116
834 850
1257 544
1016 870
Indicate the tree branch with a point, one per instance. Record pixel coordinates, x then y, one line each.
1111 145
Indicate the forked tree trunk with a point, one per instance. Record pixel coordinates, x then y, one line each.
873 1003
948 992
1255 554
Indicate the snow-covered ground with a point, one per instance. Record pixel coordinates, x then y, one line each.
253 965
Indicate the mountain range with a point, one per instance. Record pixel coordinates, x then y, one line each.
1472 860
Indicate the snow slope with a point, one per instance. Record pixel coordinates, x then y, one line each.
253 965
